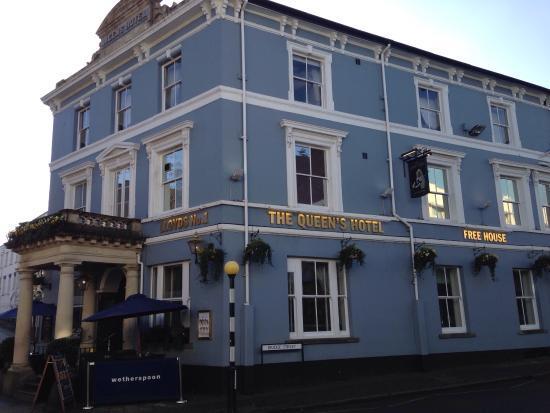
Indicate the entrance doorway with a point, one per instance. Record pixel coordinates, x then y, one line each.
111 292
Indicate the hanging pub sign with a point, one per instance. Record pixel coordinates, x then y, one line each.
418 177
417 161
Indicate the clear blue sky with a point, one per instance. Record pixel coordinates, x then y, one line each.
45 41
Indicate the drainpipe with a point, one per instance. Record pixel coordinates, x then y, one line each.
245 154
140 273
419 318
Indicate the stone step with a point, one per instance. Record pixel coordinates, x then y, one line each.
24 395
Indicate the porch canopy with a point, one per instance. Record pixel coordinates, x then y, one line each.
69 242
38 308
136 305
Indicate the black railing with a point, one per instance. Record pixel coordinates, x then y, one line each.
75 224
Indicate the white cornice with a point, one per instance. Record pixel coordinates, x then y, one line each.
139 41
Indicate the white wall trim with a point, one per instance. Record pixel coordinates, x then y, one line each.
451 163
513 130
521 177
269 102
118 156
444 110
158 145
334 235
325 58
71 177
329 140
538 179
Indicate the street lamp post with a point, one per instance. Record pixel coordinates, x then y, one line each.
231 268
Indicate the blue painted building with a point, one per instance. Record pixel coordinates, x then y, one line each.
226 121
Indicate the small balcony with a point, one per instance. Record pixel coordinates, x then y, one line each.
69 224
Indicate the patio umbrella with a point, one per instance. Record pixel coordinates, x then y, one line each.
136 305
38 308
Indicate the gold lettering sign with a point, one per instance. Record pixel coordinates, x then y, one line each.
485 236
320 221
181 222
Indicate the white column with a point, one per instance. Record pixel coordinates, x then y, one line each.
65 301
130 324
24 320
88 308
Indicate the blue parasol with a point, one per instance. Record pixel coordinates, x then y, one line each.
38 308
135 306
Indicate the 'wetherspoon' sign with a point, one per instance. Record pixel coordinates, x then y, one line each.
182 222
320 221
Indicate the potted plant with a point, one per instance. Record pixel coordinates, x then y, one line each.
424 257
350 253
210 261
258 251
541 264
486 260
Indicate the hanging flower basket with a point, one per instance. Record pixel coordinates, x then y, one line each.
486 260
423 258
257 251
211 262
350 253
541 264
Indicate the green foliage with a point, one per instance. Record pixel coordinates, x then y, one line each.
350 253
67 347
486 260
211 261
6 352
257 251
542 264
424 257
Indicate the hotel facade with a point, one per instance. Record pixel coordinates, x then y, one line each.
212 124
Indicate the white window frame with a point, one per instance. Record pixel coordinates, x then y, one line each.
463 328
84 107
157 146
526 327
329 140
451 162
123 86
117 157
521 176
72 177
513 130
295 267
172 57
185 298
325 58
541 178
445 112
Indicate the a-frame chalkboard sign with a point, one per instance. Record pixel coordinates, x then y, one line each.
56 370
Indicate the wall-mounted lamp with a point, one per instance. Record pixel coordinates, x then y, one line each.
474 131
81 283
484 205
195 246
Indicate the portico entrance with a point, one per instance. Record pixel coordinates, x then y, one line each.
75 241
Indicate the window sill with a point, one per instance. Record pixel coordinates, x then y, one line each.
324 340
444 336
533 331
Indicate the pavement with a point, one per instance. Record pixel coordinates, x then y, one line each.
337 393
